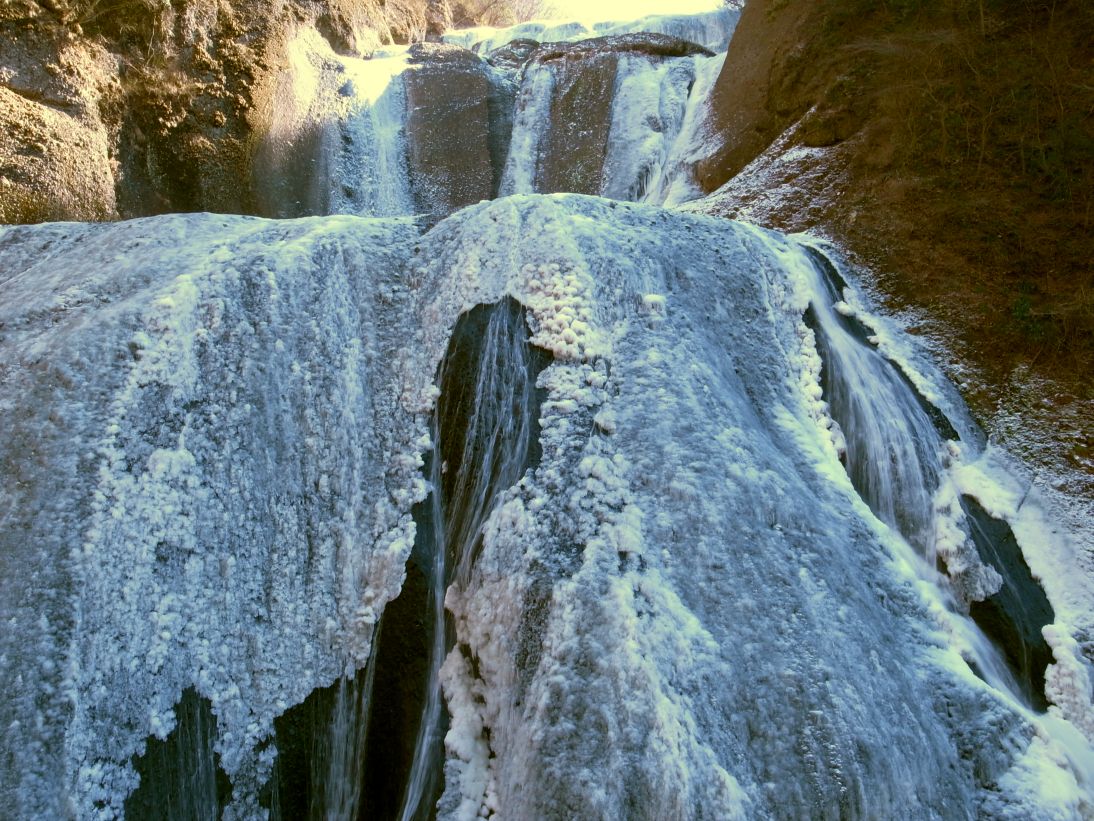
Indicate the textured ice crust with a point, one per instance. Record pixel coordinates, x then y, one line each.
687 593
683 611
213 473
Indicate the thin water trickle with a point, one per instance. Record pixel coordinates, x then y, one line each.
346 738
485 435
531 121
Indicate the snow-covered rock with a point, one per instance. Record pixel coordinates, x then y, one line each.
215 431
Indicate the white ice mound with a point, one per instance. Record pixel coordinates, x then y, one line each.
203 485
683 610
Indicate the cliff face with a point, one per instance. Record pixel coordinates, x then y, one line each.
126 109
950 147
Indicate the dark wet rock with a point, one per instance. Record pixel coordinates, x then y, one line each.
513 55
654 45
458 123
1013 616
572 152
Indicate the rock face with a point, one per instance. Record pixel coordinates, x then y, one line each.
55 146
572 151
131 108
817 127
459 122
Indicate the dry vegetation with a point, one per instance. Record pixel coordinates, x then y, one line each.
963 135
951 150
991 109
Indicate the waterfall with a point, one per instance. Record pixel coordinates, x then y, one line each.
407 131
641 147
180 776
485 434
890 445
337 140
449 492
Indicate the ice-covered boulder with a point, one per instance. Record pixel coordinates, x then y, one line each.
216 435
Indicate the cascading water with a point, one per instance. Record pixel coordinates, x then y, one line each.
891 448
337 140
485 435
564 507
430 129
892 443
641 147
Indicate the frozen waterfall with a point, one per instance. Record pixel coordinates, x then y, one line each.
429 129
473 482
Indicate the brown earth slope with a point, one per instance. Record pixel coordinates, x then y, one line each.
950 147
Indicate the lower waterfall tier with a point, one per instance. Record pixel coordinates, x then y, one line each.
674 602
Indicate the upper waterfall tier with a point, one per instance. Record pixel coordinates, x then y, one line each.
215 431
432 128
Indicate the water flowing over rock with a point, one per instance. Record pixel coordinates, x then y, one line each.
400 504
433 128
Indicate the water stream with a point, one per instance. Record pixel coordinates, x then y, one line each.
485 435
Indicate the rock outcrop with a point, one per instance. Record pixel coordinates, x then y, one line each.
129 109
919 137
55 159
459 120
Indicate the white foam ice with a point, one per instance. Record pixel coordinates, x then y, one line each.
215 436
658 114
336 143
221 494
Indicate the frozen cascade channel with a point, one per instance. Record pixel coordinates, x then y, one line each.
485 434
679 607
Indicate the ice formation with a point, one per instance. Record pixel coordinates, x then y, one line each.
217 432
548 506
